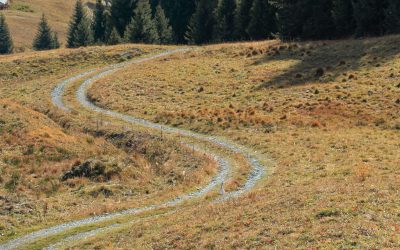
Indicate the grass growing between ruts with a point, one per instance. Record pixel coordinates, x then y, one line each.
40 143
326 112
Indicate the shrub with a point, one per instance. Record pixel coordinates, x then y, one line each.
12 184
327 213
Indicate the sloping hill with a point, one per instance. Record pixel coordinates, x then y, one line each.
44 152
24 15
327 112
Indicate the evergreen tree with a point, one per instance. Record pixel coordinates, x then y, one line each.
44 36
79 33
342 13
242 18
369 16
309 19
83 35
224 20
109 25
392 16
262 23
290 18
99 23
317 19
142 28
121 13
55 44
179 13
200 28
114 37
6 44
164 30
154 4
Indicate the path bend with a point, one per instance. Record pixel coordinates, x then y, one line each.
257 172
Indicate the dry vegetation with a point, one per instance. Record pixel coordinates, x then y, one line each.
44 152
23 15
328 113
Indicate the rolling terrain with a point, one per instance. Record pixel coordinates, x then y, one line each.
243 145
24 15
326 112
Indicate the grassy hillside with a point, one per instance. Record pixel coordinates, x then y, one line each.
24 15
39 145
328 114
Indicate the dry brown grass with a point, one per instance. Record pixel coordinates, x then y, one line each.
24 15
39 143
326 112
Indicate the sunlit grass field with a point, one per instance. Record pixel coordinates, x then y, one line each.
327 113
324 116
39 144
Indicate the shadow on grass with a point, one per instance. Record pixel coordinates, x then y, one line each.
326 61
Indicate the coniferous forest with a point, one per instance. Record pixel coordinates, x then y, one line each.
210 21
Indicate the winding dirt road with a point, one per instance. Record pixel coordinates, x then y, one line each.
257 168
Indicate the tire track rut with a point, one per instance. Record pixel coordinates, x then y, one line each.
255 175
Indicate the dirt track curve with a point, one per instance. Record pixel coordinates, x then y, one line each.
257 172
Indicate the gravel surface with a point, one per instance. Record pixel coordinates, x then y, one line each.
256 174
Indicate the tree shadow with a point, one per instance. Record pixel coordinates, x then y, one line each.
325 61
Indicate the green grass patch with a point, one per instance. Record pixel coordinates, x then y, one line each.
22 7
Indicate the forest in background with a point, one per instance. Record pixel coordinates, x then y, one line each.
209 21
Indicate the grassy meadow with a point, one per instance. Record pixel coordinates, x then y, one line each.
39 144
324 116
327 113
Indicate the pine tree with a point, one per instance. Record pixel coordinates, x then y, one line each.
44 36
224 20
99 23
317 19
109 25
369 16
262 23
242 19
79 33
179 13
142 28
6 44
83 34
122 13
342 13
306 19
392 16
164 30
114 37
290 18
200 28
55 44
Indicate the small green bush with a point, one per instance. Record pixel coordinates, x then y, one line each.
23 8
327 213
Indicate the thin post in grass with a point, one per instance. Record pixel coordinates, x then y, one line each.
97 124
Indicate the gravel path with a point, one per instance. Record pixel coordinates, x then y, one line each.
224 167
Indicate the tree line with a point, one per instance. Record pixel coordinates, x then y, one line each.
209 21
231 20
